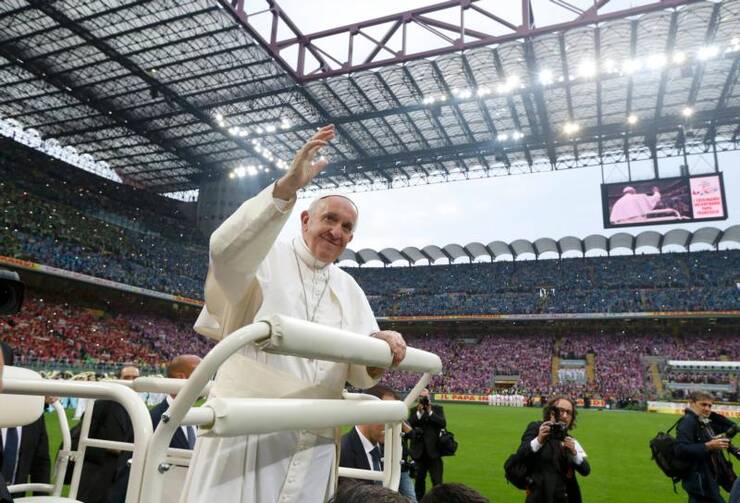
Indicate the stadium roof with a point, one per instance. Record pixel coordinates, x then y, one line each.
171 93
569 246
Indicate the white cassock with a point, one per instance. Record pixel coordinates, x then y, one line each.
252 276
633 207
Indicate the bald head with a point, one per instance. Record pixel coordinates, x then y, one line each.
129 373
182 366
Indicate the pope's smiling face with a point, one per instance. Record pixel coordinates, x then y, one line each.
328 227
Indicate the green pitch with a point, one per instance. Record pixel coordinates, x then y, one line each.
616 443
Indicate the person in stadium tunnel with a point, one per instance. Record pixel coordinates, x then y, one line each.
251 276
702 437
553 456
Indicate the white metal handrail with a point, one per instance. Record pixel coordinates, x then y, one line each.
240 416
130 401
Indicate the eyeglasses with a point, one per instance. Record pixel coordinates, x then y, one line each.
564 411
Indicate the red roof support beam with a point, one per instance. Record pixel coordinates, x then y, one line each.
453 35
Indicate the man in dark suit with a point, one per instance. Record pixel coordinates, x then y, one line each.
362 446
184 438
553 456
179 368
11 300
25 450
109 421
427 421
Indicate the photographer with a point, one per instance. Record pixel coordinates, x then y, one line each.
701 437
553 456
427 421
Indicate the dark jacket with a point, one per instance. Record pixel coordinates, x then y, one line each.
179 440
33 455
352 455
551 469
426 439
691 435
110 421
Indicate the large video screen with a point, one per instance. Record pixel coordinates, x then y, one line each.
664 201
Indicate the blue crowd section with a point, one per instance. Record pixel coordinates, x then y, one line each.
72 220
699 281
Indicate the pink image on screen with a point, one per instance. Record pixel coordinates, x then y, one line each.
706 197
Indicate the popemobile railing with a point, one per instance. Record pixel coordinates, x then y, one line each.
228 417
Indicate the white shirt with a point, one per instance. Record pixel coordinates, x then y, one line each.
577 459
368 446
19 430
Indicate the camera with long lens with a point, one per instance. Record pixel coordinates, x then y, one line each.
424 401
11 292
730 434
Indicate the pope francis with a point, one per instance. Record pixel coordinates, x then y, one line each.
251 276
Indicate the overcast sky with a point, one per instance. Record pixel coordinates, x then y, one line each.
553 204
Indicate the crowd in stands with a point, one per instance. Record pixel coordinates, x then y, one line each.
66 334
67 218
670 282
62 333
64 217
618 374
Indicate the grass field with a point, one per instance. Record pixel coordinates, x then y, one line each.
616 443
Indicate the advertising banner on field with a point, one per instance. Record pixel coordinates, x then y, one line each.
678 408
459 397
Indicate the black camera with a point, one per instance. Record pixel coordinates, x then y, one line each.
558 430
424 401
11 292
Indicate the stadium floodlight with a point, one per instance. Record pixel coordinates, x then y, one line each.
687 111
442 97
502 137
240 171
517 135
632 119
270 128
284 123
219 117
707 52
570 128
259 130
255 141
258 149
483 91
656 61
630 66
234 131
587 69
465 94
609 66
252 171
679 57
232 175
244 133
511 83
546 77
